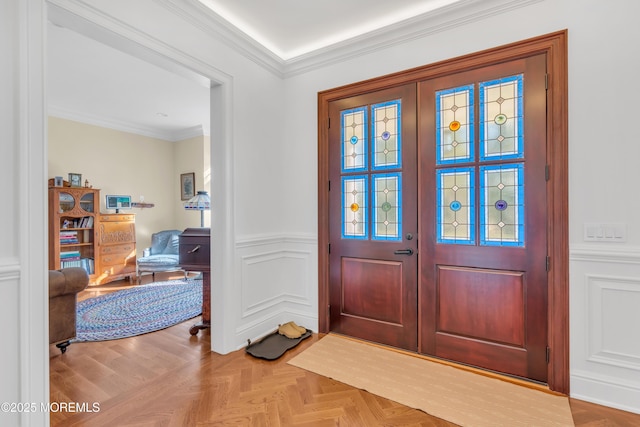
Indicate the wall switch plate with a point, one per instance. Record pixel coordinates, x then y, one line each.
605 232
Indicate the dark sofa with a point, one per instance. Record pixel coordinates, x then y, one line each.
64 286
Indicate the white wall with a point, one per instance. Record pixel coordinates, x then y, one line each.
9 254
604 282
23 302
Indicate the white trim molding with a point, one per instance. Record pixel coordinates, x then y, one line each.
611 304
124 126
9 270
420 26
617 255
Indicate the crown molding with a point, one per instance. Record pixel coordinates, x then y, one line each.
439 20
203 18
124 126
218 28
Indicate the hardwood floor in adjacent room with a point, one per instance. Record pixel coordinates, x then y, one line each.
170 378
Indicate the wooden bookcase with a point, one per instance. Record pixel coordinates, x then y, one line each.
116 247
73 215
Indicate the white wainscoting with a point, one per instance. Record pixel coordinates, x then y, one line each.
278 283
9 318
605 326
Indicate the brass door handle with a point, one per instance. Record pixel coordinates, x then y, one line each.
194 250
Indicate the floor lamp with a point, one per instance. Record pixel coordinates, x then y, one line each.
200 202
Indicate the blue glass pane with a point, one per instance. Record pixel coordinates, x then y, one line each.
455 206
386 135
354 207
387 206
502 205
501 119
354 139
454 125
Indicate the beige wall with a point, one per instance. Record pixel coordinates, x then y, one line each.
192 155
124 163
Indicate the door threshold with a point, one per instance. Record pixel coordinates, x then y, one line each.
524 382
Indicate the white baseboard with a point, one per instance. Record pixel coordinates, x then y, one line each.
605 391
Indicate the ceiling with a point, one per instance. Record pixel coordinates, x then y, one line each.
291 28
94 83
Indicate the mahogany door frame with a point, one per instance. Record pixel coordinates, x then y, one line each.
554 45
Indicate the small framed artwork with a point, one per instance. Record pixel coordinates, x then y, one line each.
187 185
75 179
57 181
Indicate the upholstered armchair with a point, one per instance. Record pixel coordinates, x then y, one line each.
64 286
162 255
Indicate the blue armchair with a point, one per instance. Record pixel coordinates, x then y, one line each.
162 255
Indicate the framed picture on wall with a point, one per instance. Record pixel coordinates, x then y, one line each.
187 185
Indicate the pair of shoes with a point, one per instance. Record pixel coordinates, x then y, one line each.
291 330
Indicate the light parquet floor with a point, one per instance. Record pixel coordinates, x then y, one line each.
169 378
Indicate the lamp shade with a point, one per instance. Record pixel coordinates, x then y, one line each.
200 202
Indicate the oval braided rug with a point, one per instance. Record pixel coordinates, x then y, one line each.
138 310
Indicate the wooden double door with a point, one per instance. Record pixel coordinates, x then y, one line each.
438 217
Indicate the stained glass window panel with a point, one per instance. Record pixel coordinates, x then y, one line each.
502 210
454 125
387 207
501 118
386 135
354 207
354 139
455 206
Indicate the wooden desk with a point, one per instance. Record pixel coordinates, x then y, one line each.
194 255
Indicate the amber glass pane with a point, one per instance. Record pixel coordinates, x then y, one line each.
454 125
354 207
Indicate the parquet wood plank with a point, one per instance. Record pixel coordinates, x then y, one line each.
169 378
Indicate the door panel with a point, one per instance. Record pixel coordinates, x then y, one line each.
373 217
372 289
462 309
483 279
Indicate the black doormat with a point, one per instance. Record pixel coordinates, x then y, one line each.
274 345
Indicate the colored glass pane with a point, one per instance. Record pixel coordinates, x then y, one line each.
354 207
386 135
387 207
502 205
354 139
455 206
501 118
454 125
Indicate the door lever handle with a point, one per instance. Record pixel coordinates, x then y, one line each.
404 252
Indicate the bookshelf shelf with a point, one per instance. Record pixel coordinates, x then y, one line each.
73 214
